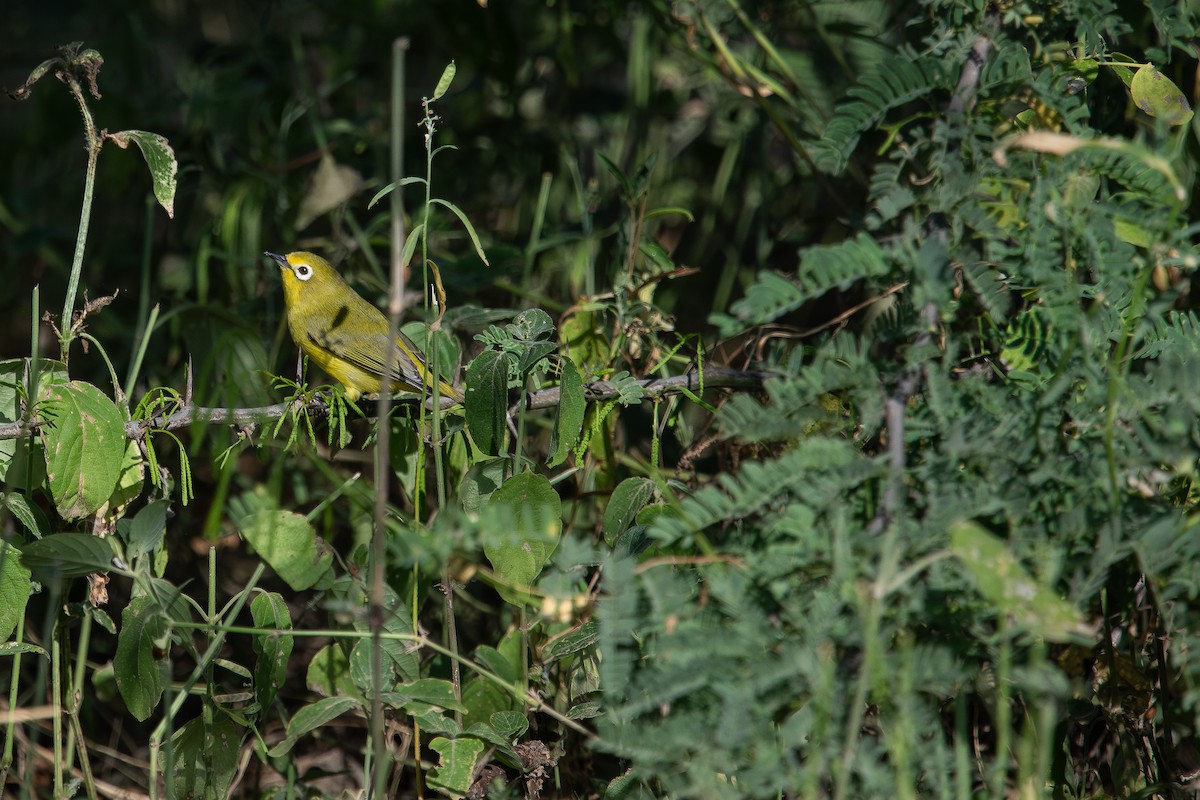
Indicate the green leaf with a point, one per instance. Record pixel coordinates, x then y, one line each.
144 531
486 404
15 586
29 515
531 325
391 187
160 158
84 439
428 692
1124 73
524 519
897 81
1155 94
466 224
568 418
588 710
273 649
1002 581
12 648
401 661
411 242
615 171
206 757
329 673
130 481
482 695
583 340
822 269
67 555
576 641
317 714
509 724
139 674
287 542
22 465
535 329
627 500
455 771
482 479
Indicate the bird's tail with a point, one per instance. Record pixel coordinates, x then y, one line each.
446 390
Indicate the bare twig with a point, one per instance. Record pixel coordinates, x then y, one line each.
654 388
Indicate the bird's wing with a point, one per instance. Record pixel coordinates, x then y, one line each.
370 353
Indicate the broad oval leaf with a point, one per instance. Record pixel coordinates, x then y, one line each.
1158 96
273 649
329 673
21 463
206 757
627 500
15 587
1004 583
455 771
83 433
324 710
523 519
139 674
287 542
509 724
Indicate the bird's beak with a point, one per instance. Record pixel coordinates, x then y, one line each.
281 260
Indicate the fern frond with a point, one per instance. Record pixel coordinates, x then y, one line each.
757 485
812 401
889 197
1130 169
899 80
1178 333
822 268
989 288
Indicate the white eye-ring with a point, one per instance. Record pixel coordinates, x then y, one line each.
303 271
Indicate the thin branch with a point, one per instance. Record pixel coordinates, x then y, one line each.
910 382
654 388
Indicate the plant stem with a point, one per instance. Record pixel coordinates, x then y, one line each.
94 143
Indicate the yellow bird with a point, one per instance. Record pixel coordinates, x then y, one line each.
347 336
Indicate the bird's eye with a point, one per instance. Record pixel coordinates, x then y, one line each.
303 271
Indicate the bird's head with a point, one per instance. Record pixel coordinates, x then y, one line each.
305 274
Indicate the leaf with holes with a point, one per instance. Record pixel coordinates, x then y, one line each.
160 158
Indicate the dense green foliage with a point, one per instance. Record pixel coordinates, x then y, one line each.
944 550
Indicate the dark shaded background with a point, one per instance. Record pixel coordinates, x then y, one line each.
248 93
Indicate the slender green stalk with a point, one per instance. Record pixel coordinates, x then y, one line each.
75 689
162 732
535 234
1003 709
112 372
85 764
135 366
56 701
143 313
14 683
94 143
